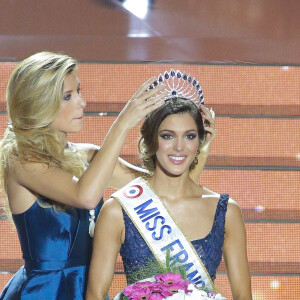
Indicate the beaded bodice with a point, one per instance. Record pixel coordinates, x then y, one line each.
136 254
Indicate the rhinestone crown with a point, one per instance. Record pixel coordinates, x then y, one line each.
180 84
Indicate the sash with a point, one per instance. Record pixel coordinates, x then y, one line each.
160 231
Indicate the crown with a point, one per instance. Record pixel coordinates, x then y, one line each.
180 84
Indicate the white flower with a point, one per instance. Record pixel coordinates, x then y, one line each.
219 296
195 294
178 296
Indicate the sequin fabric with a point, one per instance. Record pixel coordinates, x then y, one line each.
136 254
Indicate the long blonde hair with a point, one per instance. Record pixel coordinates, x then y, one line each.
34 95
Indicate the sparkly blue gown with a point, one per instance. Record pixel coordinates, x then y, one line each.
136 254
57 248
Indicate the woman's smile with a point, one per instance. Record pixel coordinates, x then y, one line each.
177 159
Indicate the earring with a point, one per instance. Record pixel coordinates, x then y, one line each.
196 156
195 162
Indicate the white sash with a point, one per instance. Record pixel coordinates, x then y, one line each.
160 231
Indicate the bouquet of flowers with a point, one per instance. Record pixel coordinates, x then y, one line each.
168 286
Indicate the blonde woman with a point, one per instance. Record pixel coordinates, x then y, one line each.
54 187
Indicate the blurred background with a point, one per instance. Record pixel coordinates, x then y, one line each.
246 57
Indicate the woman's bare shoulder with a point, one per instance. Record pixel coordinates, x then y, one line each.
233 209
111 209
110 220
19 197
17 167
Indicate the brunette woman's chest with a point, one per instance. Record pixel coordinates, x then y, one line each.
194 218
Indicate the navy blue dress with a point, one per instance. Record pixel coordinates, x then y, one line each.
138 258
57 248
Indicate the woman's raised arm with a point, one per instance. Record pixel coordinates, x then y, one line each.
209 127
60 186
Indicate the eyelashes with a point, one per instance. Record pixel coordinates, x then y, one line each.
69 95
190 136
166 136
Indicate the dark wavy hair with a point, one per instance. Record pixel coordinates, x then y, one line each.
148 143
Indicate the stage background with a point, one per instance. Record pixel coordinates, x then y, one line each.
255 158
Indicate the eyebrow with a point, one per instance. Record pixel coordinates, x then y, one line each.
169 130
71 90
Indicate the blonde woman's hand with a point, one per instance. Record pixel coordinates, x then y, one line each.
143 102
208 116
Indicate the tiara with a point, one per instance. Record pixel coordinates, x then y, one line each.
180 84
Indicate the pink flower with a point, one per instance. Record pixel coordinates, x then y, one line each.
131 290
156 297
143 284
169 278
173 289
128 290
159 288
141 294
165 286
